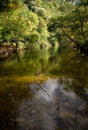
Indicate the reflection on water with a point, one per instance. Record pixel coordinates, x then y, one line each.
62 101
39 117
49 87
45 116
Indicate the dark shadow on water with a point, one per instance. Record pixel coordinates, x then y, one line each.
11 94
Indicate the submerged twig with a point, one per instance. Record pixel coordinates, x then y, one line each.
46 92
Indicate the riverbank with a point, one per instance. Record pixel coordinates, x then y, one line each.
5 51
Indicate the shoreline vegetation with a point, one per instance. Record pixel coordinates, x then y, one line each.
36 24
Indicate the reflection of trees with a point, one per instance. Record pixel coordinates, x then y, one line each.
33 62
77 87
76 69
72 67
56 62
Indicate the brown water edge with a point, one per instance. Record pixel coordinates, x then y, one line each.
11 94
25 106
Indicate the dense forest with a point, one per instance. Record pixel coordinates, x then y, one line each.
26 24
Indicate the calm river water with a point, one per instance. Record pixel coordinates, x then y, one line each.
44 90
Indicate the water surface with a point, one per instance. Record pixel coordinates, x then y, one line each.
44 90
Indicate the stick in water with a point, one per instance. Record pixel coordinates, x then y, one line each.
46 92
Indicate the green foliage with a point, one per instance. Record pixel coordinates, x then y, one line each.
27 20
32 4
17 25
3 4
7 5
24 22
42 29
73 25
